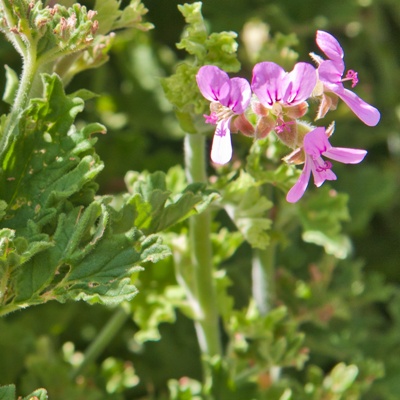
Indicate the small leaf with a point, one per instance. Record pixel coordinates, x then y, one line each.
39 394
12 83
247 208
7 392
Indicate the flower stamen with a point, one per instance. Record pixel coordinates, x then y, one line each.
282 125
351 76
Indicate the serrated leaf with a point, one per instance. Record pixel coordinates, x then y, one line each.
195 34
247 208
110 16
321 216
7 392
50 161
110 295
218 49
61 243
157 208
39 394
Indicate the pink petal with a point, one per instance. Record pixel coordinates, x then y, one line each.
297 191
267 82
211 80
316 142
329 45
321 175
367 114
330 72
221 149
299 83
345 155
238 98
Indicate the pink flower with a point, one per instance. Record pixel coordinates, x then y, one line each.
331 75
272 84
316 144
283 93
229 97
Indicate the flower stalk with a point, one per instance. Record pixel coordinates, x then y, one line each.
200 279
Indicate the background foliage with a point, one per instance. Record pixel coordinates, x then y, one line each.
348 309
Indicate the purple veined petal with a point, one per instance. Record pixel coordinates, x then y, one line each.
211 80
330 72
329 45
221 149
299 83
321 171
238 98
297 191
367 113
346 155
316 142
267 82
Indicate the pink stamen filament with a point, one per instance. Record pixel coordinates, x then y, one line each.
211 119
351 76
282 125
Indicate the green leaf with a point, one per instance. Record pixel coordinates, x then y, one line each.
341 378
110 17
157 207
7 392
49 161
92 253
12 83
321 215
181 88
56 239
218 48
247 208
113 294
39 394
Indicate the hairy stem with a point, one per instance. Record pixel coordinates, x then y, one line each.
21 100
203 292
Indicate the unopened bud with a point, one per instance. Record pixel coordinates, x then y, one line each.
94 27
91 14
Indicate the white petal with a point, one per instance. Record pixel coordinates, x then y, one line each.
221 150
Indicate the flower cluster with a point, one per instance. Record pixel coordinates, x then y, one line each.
279 100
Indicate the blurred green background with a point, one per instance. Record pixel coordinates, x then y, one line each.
143 134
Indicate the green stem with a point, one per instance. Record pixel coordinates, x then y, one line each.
108 333
21 100
203 292
263 287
